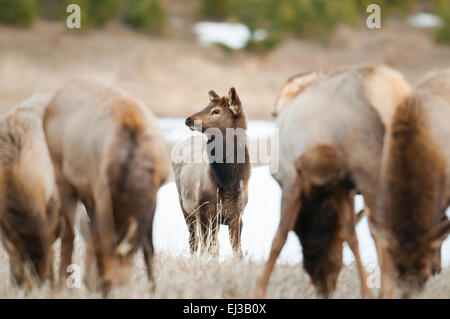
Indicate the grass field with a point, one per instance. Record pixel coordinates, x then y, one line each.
204 277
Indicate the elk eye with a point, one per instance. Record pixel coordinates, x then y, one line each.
216 111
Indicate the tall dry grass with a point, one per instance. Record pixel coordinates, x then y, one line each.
206 276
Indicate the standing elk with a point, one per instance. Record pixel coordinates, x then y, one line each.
215 191
108 153
29 200
332 127
415 187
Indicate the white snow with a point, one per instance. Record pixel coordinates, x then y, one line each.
425 20
233 35
260 219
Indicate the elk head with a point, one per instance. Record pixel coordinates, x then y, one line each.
414 258
326 204
28 232
220 113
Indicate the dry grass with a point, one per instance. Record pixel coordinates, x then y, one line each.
207 277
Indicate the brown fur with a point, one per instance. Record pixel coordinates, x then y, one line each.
326 218
115 169
29 200
337 124
220 193
412 222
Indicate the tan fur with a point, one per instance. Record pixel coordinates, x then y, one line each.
29 200
385 88
342 110
108 154
415 191
293 87
213 193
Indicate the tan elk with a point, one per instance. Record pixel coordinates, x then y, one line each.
214 191
332 127
108 154
415 187
29 200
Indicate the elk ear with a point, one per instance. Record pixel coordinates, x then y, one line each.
212 95
234 101
439 234
125 245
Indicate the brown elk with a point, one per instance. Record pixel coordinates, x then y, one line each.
108 154
415 187
331 137
215 191
29 200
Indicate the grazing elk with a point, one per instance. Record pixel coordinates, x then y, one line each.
29 200
108 154
332 127
214 192
415 187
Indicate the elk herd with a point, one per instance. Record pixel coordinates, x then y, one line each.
351 130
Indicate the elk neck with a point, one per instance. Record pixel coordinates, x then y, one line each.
231 171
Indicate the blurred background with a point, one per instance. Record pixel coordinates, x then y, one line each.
170 53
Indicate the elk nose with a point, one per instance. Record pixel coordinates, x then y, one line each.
188 121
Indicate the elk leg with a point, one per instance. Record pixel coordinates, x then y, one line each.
387 280
91 271
204 234
68 208
191 222
213 243
290 206
67 238
354 246
52 268
436 264
100 263
387 283
235 230
206 229
148 256
17 273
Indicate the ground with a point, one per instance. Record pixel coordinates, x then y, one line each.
180 277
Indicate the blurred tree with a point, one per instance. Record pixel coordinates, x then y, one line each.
311 18
146 15
18 12
215 9
52 9
442 33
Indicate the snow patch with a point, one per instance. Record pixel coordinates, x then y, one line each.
232 35
425 20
